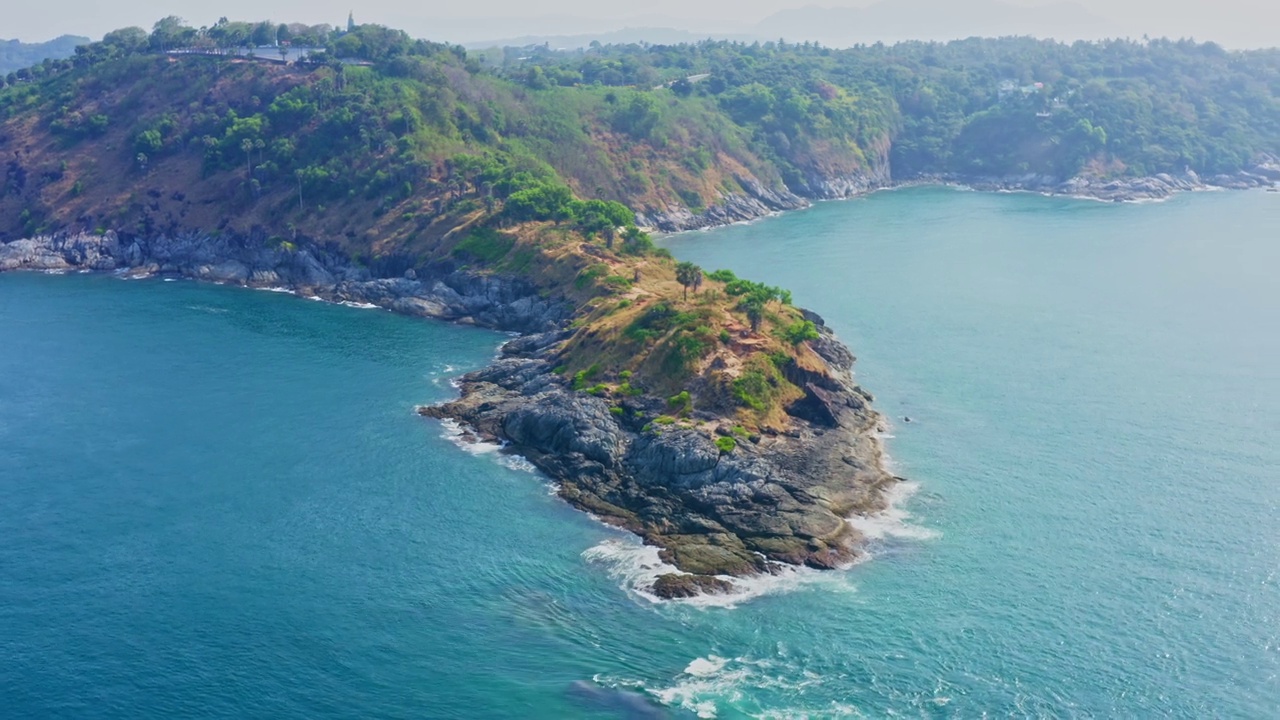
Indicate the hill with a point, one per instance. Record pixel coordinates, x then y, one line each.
15 55
382 143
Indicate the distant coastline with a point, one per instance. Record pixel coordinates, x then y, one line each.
1161 186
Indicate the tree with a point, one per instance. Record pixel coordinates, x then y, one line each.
688 275
755 312
168 33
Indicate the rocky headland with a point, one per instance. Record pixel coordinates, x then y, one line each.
779 497
716 499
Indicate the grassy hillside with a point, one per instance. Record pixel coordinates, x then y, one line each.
648 325
385 144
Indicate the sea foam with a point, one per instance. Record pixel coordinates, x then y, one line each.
466 440
895 520
711 681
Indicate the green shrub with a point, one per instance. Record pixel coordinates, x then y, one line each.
589 275
581 377
681 402
485 245
800 331
617 283
726 445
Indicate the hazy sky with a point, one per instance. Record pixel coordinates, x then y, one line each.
1236 23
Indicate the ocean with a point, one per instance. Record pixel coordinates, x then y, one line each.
218 502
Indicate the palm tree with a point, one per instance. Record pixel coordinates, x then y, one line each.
247 146
688 275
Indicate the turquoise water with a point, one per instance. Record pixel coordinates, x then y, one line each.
218 503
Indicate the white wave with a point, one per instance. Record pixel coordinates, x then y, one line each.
284 290
520 463
466 439
894 520
171 279
712 680
317 298
636 566
360 305
702 667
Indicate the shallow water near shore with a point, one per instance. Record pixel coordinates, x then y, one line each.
218 503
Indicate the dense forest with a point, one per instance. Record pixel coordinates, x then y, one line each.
367 134
977 106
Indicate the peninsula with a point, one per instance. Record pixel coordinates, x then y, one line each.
517 189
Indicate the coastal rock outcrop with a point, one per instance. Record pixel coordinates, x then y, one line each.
1263 173
442 292
781 499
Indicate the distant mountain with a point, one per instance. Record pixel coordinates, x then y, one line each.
886 21
15 55
625 36
895 20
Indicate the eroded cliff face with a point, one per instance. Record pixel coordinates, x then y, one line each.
849 179
778 498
